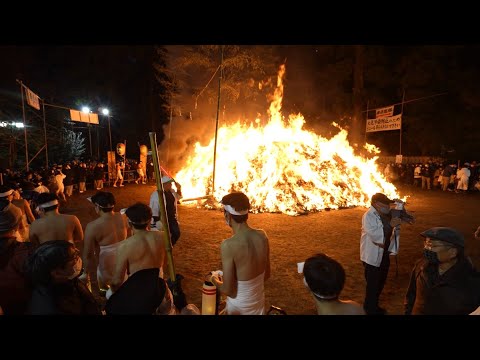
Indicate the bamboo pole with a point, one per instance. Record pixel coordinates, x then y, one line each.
163 211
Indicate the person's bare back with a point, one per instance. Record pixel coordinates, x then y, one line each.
339 307
107 230
101 238
249 250
55 226
143 250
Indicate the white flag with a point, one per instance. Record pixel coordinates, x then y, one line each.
32 99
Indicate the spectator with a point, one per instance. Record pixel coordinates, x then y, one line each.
14 289
444 281
54 269
171 199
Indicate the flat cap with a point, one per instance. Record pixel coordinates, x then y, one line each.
447 234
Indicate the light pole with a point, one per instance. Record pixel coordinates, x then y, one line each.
106 112
86 110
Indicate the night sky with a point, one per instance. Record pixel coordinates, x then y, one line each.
318 84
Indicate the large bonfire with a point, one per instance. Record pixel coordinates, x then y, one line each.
284 168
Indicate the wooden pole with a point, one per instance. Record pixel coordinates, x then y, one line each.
24 127
401 121
45 135
216 122
163 211
366 122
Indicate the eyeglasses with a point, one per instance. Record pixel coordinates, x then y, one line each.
428 246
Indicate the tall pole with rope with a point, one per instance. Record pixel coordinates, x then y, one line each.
216 121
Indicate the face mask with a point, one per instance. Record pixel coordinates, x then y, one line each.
431 256
77 269
384 209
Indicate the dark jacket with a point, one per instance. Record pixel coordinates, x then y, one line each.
456 292
71 298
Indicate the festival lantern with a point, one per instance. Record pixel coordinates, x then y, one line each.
121 149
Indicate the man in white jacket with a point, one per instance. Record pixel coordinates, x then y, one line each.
376 242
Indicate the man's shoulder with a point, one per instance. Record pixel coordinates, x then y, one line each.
69 217
94 223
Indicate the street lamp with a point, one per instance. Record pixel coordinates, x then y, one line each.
106 112
86 110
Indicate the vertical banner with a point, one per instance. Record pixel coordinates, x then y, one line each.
111 166
143 157
32 98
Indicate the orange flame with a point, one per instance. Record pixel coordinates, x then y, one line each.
284 168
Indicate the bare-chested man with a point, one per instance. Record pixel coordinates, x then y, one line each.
140 256
52 225
102 237
143 250
245 260
325 278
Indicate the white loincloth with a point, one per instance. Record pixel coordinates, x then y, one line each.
106 263
250 298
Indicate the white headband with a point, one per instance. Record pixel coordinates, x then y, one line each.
232 211
7 193
48 204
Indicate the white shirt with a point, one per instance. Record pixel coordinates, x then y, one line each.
372 234
155 203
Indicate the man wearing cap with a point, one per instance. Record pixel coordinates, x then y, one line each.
52 225
171 199
379 236
103 236
245 260
14 291
444 281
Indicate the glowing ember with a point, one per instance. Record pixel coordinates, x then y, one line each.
283 168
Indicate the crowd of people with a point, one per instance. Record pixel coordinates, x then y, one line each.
44 271
449 176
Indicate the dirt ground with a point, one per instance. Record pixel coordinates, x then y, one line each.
293 239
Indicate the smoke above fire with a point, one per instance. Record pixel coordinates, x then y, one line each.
280 166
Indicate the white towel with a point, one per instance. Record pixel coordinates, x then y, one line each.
106 262
250 298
